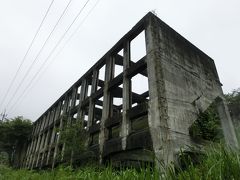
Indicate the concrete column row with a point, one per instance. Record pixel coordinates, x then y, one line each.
41 145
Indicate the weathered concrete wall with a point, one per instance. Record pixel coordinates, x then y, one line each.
191 83
182 82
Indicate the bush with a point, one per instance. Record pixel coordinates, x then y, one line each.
74 137
207 126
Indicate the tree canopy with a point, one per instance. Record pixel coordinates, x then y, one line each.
14 133
233 97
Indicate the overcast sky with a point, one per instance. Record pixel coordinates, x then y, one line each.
211 25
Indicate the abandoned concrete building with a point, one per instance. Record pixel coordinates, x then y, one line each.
127 124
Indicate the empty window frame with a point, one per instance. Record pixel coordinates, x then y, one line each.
89 86
97 112
138 47
78 95
118 63
139 101
139 87
116 101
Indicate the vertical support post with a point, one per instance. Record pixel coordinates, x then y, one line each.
29 158
73 100
32 152
57 115
91 103
47 137
39 149
81 113
43 120
158 115
28 155
65 106
125 127
35 145
35 151
52 135
109 73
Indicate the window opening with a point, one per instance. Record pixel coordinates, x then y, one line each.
138 47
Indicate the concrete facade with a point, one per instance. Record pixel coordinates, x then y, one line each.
182 81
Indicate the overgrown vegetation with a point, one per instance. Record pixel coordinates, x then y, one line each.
233 97
219 163
13 135
74 138
207 126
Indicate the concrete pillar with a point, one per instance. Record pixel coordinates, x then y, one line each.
58 110
28 154
109 73
35 152
91 103
67 111
81 113
39 149
157 116
43 148
60 128
48 116
33 157
43 122
65 107
38 128
73 100
52 135
31 152
227 125
74 97
125 126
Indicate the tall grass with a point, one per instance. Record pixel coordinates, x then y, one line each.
218 163
91 173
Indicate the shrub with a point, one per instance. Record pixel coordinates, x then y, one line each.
207 126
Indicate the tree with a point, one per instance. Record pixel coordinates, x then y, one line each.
233 98
74 137
13 135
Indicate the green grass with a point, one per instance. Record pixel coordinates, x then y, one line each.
63 173
219 163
